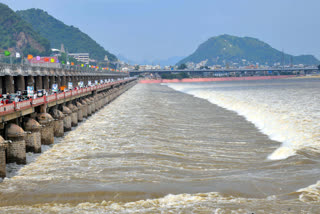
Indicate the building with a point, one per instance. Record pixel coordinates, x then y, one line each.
81 57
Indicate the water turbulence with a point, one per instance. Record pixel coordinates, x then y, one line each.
289 115
157 150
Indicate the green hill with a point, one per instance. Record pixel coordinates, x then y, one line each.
231 49
58 33
17 35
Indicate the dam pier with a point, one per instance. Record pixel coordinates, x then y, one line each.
27 124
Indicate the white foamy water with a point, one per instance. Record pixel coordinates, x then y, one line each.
287 111
156 150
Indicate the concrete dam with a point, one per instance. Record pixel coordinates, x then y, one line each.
28 124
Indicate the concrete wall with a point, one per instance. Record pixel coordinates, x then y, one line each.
42 132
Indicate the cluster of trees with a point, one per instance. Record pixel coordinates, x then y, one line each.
180 75
182 66
11 28
227 48
63 59
58 33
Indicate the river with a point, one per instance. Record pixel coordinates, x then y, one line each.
219 147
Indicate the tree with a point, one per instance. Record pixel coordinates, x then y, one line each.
136 67
204 67
182 66
63 58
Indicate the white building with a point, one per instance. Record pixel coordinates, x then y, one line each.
81 57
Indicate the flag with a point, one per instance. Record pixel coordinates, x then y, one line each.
82 65
46 59
72 63
30 56
52 60
7 53
38 58
62 62
18 55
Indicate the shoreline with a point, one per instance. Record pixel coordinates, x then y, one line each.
188 80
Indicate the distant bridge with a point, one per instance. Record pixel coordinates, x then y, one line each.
228 71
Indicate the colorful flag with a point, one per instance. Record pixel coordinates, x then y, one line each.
38 58
52 60
18 55
72 63
46 59
30 56
7 53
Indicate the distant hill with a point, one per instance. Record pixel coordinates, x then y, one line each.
58 33
231 49
17 35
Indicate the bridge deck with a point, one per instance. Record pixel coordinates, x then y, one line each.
18 109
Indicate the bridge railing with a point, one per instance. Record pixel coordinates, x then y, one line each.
19 106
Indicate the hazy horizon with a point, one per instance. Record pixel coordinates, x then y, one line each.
157 30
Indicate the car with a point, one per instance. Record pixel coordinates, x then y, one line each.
41 92
14 97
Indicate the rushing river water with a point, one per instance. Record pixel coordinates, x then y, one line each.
222 147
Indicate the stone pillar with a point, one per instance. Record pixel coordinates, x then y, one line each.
9 84
97 101
52 80
80 112
1 86
47 132
89 112
39 82
93 105
74 81
67 118
20 83
84 108
85 81
100 101
3 146
74 115
45 81
58 123
64 81
69 79
30 81
58 80
16 151
108 96
105 98
33 137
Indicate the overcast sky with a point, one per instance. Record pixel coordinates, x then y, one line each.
158 29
